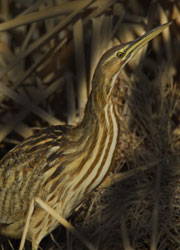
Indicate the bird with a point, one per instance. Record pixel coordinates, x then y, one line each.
63 164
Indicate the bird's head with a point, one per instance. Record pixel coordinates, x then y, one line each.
113 61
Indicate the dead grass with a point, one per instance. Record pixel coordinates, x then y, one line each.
48 52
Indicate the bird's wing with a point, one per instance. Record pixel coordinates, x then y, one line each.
22 171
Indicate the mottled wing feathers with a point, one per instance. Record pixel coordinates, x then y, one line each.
22 169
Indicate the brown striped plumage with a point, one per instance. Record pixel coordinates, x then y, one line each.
61 165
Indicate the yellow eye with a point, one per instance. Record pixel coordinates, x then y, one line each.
120 54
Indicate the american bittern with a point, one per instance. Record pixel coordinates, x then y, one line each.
61 165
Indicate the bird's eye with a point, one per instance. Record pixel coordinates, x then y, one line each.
120 54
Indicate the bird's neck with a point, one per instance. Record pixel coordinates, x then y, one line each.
98 100
92 147
98 133
100 122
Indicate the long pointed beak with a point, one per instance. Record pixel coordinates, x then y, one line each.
137 44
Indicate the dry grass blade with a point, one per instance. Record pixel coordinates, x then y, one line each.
80 65
29 105
71 119
46 37
124 233
96 50
6 56
61 220
5 8
166 34
21 78
111 180
155 213
22 129
26 227
34 6
7 128
11 245
22 114
28 37
106 33
50 12
176 14
2 248
102 6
